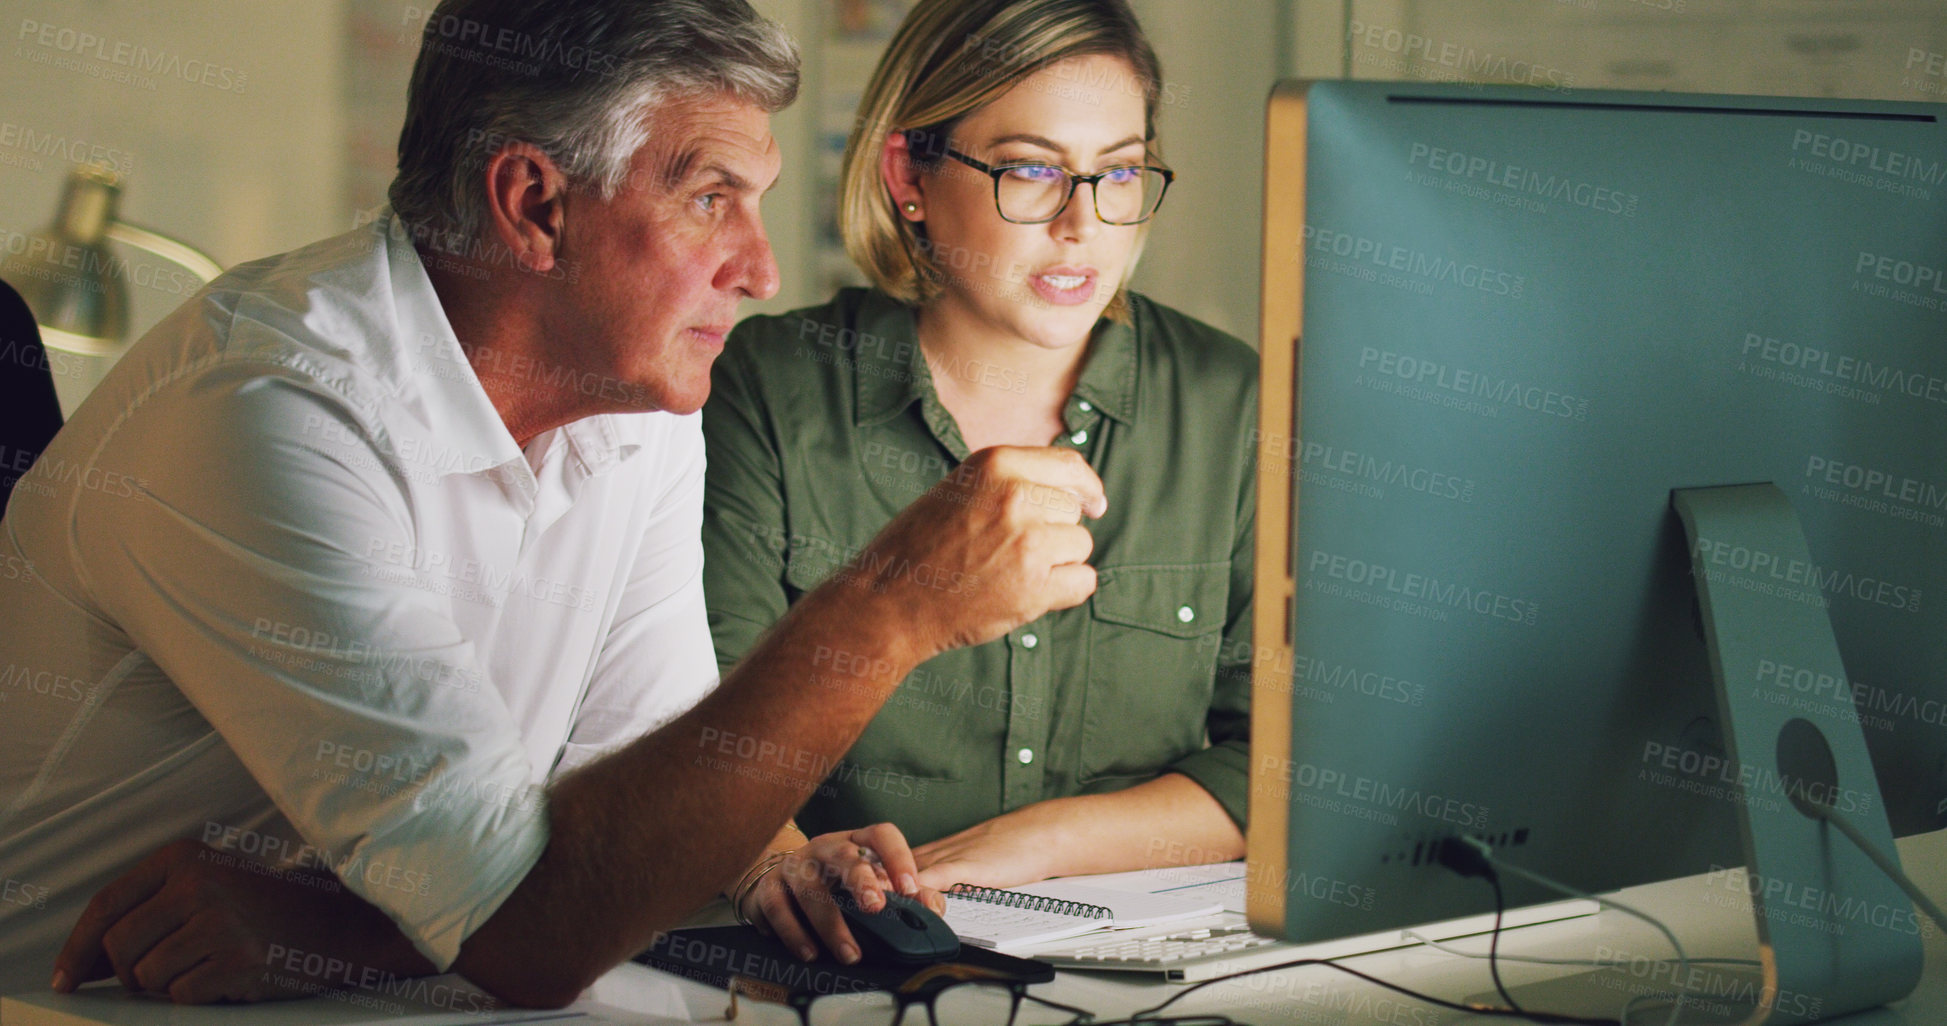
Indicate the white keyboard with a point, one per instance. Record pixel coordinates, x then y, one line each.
1207 948
1184 955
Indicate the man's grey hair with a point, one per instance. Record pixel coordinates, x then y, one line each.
574 78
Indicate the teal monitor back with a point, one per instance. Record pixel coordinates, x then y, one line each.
1500 327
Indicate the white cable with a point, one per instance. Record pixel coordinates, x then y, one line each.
1451 950
1595 963
1886 865
1830 815
1683 960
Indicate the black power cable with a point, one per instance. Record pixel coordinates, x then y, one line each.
1466 861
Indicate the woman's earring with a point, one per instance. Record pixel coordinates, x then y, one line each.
910 207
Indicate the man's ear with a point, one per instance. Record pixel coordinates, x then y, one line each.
525 191
902 177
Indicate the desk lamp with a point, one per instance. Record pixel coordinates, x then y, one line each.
76 287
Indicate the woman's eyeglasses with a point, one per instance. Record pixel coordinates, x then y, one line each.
1037 193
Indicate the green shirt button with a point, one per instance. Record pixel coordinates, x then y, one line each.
1026 755
1186 614
1029 641
1079 437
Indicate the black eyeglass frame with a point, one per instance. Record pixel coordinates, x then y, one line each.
923 988
1075 181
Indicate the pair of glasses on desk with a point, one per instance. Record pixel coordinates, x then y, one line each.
953 995
965 995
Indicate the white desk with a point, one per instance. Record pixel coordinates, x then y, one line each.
1711 920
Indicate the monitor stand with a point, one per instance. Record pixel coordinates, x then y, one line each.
1834 934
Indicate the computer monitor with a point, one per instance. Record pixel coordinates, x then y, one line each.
1501 328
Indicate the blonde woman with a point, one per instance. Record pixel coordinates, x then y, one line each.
997 192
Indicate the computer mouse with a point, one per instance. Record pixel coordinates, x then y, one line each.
904 932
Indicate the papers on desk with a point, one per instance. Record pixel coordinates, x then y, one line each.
1036 913
1219 883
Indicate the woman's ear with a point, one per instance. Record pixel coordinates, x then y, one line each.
902 177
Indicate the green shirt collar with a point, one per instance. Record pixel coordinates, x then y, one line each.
891 374
1109 377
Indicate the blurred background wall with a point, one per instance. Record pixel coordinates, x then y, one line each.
248 127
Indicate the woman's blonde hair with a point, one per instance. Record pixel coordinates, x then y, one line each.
949 59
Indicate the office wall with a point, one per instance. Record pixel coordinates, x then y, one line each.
225 117
1220 61
1862 49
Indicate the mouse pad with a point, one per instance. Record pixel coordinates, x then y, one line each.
717 954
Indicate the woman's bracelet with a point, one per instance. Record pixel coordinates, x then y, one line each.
737 890
752 877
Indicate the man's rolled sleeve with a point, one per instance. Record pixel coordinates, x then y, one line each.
246 572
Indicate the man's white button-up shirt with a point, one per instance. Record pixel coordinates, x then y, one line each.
287 585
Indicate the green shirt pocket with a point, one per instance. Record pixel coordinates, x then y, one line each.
1154 634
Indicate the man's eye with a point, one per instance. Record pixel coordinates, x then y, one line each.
709 202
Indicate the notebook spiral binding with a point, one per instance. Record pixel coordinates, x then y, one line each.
1031 902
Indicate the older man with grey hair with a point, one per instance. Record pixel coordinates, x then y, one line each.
385 653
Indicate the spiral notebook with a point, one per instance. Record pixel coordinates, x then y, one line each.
992 917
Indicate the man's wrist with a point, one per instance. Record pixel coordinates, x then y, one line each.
861 620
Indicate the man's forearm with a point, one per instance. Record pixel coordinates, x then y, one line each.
643 837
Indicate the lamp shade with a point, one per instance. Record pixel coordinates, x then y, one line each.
67 274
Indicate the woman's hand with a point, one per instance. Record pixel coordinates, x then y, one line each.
1005 851
794 901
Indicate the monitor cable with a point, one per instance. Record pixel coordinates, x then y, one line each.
1592 963
1448 947
1470 856
1879 858
1472 862
1451 855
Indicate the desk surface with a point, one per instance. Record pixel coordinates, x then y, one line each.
1711 918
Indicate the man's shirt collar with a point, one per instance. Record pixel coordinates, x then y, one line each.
464 433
